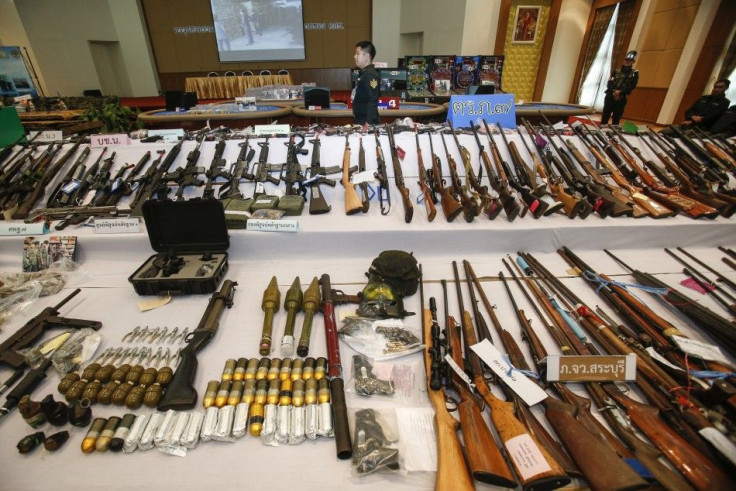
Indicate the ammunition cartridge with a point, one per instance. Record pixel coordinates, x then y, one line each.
102 444
239 373
229 370
210 393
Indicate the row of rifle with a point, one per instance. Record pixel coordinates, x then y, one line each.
687 410
692 176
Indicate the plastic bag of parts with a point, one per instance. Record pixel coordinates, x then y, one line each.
380 339
68 350
18 290
386 379
375 442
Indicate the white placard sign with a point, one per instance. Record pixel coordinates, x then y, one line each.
530 392
117 225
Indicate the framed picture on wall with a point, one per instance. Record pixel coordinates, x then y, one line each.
526 24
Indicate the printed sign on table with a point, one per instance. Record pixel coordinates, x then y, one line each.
493 108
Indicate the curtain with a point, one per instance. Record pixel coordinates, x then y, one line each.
625 14
597 32
729 62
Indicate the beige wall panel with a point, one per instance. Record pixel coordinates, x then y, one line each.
659 30
667 64
683 21
647 64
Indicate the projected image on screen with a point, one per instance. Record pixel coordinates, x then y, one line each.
259 30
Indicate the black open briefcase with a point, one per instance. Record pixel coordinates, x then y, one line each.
191 240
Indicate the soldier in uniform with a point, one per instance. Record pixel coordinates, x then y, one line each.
367 90
706 110
620 85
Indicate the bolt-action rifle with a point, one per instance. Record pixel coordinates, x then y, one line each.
452 470
488 204
600 455
670 196
486 462
596 194
451 207
470 207
526 181
317 176
532 202
429 198
573 204
616 168
725 204
399 177
384 194
509 428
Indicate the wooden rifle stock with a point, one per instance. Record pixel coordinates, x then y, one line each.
399 177
596 452
546 473
451 207
353 204
485 459
470 207
698 469
452 470
645 202
426 192
570 205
